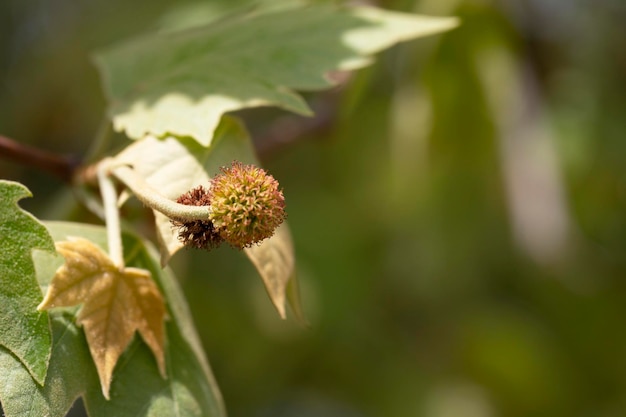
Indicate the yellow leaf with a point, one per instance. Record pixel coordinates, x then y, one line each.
116 303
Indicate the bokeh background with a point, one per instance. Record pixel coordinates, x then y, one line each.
458 210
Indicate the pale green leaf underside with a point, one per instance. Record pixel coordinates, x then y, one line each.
275 260
138 390
182 83
24 331
173 166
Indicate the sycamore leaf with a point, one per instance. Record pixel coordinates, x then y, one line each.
70 375
24 331
274 259
181 83
293 299
138 390
116 303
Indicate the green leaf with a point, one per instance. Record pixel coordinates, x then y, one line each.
181 83
137 390
70 374
24 331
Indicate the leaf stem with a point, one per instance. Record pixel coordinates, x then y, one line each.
155 200
111 213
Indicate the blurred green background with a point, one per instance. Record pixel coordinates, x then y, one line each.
458 210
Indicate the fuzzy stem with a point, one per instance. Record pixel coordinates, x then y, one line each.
153 199
111 213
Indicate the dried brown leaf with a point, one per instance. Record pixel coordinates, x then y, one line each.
116 303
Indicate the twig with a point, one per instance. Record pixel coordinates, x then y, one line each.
63 167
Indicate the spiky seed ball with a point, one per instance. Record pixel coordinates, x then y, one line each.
198 234
246 204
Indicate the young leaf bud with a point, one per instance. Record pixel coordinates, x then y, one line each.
246 204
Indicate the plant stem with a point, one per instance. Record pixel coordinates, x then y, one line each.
63 167
153 199
111 213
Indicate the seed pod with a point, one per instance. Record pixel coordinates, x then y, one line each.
200 234
246 204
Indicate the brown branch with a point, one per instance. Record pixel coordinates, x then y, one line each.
63 167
